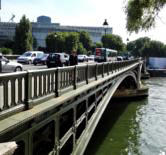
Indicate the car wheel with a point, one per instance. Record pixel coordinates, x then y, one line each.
17 69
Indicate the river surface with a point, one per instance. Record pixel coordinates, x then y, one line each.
133 127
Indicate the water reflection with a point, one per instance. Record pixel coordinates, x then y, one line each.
133 127
118 131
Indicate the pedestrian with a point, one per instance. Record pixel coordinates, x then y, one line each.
73 60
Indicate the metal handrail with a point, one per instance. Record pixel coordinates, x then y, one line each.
27 86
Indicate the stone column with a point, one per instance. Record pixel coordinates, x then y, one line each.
139 75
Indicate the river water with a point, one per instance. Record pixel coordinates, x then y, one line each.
133 127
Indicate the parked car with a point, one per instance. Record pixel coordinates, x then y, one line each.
82 58
41 60
57 60
91 57
29 56
10 66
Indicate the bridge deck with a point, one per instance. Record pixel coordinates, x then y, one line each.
57 104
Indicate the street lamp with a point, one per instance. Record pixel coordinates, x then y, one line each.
105 25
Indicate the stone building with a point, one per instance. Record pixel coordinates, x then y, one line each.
43 26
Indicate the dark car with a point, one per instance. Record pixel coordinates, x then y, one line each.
41 60
54 60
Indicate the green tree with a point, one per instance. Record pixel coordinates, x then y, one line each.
51 42
154 49
85 39
6 50
141 14
23 36
34 43
56 41
113 41
136 47
72 41
145 47
98 45
8 44
81 49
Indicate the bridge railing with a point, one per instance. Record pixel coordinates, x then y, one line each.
20 91
12 92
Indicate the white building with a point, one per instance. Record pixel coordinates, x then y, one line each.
43 26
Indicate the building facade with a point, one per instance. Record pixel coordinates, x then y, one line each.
43 26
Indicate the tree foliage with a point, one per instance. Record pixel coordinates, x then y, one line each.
5 50
85 39
34 43
144 47
55 42
23 36
141 14
72 41
113 42
136 47
99 45
8 44
81 49
68 41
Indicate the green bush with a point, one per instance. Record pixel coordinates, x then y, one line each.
6 50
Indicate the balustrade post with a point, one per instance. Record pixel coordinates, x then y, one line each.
108 68
112 67
57 82
0 65
115 67
28 91
0 62
96 71
75 78
103 69
87 73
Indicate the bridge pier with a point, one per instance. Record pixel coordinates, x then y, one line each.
139 68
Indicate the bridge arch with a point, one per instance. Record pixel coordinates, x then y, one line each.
128 81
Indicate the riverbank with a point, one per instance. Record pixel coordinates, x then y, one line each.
157 72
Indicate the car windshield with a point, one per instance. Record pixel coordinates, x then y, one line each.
4 59
44 56
81 56
27 54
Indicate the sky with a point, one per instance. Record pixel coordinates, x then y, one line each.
81 13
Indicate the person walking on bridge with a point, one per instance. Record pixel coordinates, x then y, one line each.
73 60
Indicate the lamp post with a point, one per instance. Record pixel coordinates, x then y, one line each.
105 25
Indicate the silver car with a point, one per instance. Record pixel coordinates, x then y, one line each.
10 66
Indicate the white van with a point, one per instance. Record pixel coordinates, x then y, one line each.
29 56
